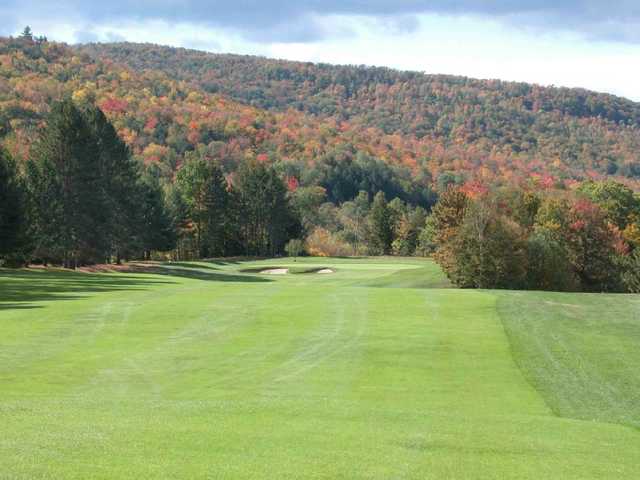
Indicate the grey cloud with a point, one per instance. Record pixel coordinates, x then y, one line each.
291 20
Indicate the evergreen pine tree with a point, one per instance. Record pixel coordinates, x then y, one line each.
380 225
157 230
119 187
12 208
65 177
267 220
204 191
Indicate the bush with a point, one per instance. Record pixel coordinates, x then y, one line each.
294 248
323 243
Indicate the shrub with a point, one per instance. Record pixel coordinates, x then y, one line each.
294 248
323 243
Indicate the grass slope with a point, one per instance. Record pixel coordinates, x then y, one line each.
202 371
582 352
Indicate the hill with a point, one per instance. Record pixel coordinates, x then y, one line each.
343 128
484 121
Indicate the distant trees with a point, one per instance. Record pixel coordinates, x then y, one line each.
488 249
204 191
164 165
451 127
554 243
618 202
380 226
267 219
84 199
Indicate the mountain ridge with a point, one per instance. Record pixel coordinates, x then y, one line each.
316 120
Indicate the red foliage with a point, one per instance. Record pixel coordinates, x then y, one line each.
578 225
475 189
292 184
151 124
114 105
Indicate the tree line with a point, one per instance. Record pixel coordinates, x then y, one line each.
80 198
586 240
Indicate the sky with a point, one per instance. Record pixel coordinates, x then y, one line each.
592 44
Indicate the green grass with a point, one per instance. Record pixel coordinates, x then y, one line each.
372 372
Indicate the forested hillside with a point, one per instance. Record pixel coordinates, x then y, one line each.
371 128
162 120
500 125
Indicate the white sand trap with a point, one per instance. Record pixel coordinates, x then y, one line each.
325 270
275 271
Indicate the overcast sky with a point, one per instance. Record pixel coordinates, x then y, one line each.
593 44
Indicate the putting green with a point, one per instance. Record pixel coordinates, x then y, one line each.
375 371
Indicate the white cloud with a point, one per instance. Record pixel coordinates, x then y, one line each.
461 45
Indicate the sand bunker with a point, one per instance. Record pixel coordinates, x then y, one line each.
275 271
325 270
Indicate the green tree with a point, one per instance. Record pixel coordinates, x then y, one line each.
427 238
629 267
618 201
27 33
204 191
407 231
444 222
66 187
158 232
267 219
583 230
380 224
548 265
294 248
120 185
353 218
12 208
488 250
307 202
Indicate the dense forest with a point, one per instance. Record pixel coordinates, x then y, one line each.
124 151
454 123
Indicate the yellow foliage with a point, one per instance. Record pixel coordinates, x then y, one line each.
80 96
323 243
194 97
632 234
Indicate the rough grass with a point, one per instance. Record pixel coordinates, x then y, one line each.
201 371
580 351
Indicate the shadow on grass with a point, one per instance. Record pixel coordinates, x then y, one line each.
192 272
200 264
21 289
